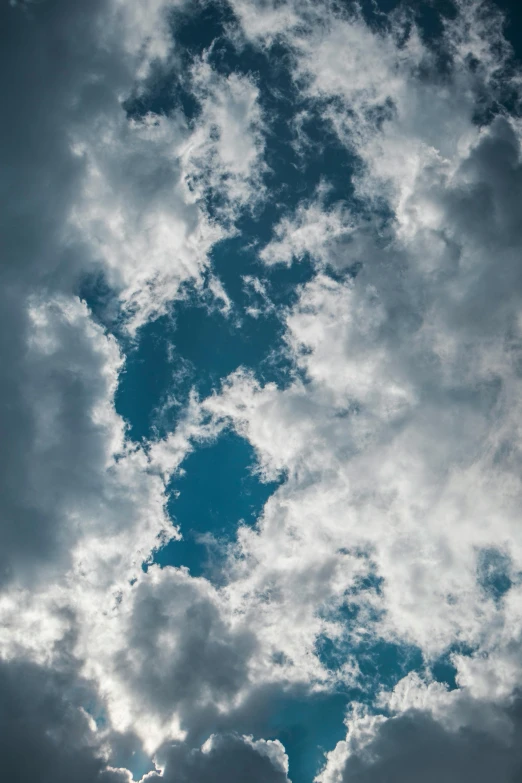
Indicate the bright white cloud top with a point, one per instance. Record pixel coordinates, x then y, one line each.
132 155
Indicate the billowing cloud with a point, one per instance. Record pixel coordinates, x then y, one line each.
224 757
414 747
45 733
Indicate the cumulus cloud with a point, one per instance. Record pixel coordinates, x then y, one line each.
59 369
224 757
414 747
225 153
171 651
64 434
314 231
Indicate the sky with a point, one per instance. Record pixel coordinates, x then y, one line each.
261 391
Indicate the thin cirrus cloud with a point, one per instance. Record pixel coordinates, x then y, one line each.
394 438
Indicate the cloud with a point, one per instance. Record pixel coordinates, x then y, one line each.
45 735
146 230
224 758
313 230
225 155
75 495
266 20
59 370
413 746
143 210
172 651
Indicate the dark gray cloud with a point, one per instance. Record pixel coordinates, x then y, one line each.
230 759
45 736
414 747
182 654
55 73
59 70
74 167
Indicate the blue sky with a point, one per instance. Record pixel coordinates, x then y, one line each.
261 381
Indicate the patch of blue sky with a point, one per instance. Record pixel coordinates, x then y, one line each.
196 346
291 177
512 10
381 663
194 31
138 763
310 724
428 16
443 670
218 491
494 573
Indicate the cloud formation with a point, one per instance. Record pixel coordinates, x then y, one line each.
394 438
224 757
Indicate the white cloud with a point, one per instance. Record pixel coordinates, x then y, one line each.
266 20
138 217
323 234
225 152
143 214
